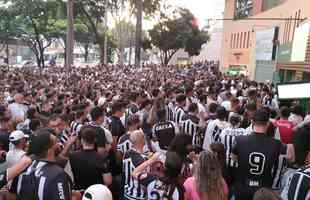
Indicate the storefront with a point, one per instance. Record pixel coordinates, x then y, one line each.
236 70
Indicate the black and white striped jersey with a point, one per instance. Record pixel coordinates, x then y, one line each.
227 138
169 112
213 132
298 187
76 127
42 180
190 126
178 115
124 144
64 137
158 189
164 132
133 188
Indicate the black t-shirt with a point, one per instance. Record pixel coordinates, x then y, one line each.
88 167
42 180
260 162
101 139
4 140
116 127
164 132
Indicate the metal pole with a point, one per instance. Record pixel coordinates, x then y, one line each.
70 34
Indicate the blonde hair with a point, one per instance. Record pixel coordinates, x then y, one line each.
208 176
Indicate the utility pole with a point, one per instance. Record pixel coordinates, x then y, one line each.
105 34
139 7
70 34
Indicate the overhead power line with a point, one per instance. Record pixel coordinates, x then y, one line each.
257 18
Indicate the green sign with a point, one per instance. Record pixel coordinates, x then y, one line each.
267 4
285 52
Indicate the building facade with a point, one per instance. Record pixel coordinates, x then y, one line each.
261 37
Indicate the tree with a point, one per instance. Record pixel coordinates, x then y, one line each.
7 29
124 35
35 21
178 32
149 7
92 14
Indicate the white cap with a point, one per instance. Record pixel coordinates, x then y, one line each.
97 192
17 135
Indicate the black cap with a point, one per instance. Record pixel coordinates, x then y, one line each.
261 116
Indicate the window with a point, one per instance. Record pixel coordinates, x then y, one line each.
233 43
248 42
237 46
241 40
244 39
231 40
243 9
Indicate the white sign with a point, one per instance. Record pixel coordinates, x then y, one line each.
294 91
264 44
300 42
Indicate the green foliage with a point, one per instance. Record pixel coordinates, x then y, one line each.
92 14
178 32
33 21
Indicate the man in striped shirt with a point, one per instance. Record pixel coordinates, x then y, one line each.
192 125
215 128
179 110
164 131
228 135
297 185
57 123
43 179
77 124
124 143
134 188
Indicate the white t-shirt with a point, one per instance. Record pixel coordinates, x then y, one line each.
13 156
18 110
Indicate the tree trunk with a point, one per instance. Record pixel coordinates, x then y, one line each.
38 60
42 58
101 47
86 48
7 52
130 48
130 53
70 33
139 6
121 56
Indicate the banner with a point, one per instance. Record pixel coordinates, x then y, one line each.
300 42
264 44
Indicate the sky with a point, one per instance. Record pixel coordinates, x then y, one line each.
202 9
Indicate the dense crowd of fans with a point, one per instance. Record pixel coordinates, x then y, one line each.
155 132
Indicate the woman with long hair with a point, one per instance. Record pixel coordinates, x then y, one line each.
207 182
